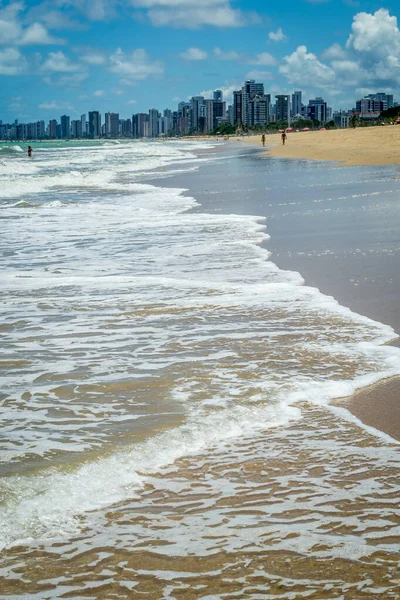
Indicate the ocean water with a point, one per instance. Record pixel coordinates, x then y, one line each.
166 428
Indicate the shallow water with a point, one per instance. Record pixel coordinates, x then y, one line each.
165 390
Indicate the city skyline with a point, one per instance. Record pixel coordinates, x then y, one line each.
74 56
252 108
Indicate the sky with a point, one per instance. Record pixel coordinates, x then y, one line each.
71 56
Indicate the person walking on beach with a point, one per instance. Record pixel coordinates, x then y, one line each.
29 151
263 139
284 136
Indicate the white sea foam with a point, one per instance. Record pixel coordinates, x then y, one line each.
122 309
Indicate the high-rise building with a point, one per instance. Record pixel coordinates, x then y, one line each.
229 112
196 102
126 128
40 129
139 121
296 103
317 109
209 104
386 99
83 125
111 125
249 91
65 126
94 124
282 108
258 111
75 129
218 96
153 122
238 107
53 129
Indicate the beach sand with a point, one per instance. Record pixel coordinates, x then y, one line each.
351 147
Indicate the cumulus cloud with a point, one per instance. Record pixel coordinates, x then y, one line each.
38 34
277 36
93 57
94 10
58 62
262 59
304 68
194 54
229 55
12 62
135 65
369 61
99 93
182 13
13 32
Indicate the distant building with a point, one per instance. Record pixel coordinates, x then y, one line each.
111 125
139 121
218 96
75 129
296 103
238 107
197 102
249 91
65 126
83 125
153 123
282 108
95 124
52 129
209 114
317 110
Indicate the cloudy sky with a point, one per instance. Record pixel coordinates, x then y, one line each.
127 56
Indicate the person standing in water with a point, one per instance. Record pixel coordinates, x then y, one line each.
29 151
284 136
263 139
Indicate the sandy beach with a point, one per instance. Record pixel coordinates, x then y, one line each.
350 147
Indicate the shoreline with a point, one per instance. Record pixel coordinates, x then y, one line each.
378 405
365 146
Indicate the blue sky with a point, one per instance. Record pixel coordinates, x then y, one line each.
72 56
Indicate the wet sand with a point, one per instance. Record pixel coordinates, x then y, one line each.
338 227
350 147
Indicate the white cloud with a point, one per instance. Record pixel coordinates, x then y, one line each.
194 54
182 13
99 93
135 65
334 52
55 106
58 62
38 34
12 62
93 57
229 55
263 59
13 32
131 102
277 36
94 10
304 68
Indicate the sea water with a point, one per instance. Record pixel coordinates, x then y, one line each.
165 388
